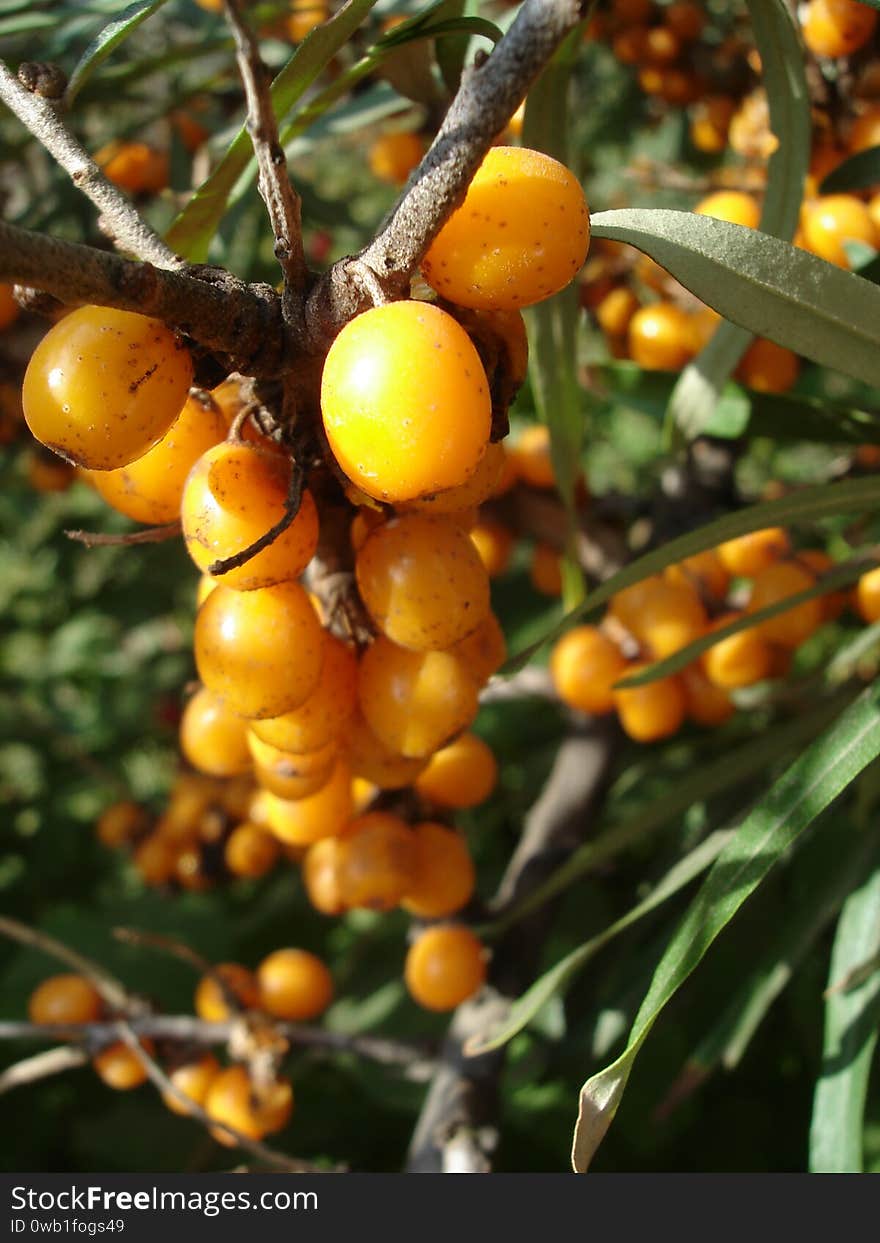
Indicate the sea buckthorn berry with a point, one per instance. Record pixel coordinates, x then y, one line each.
494 543
734 206
703 572
833 219
250 851
154 858
444 967
392 157
865 130
835 28
628 46
234 1099
710 119
629 12
134 166
584 665
415 702
103 386
671 616
521 234
405 402
705 703
444 876
372 761
192 1080
377 863
120 1067
210 1001
294 985
651 712
212 738
304 16
768 367
259 651
472 492
291 776
819 563
530 454
686 19
866 596
321 876
626 605
463 774
614 312
47 473
661 336
746 555
545 570
325 713
484 651
190 872
150 488
233 495
364 521
662 46
65 999
422 581
299 822
121 823
776 583
739 660
9 308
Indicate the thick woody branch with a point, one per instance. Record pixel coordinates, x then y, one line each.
282 201
490 93
240 323
120 220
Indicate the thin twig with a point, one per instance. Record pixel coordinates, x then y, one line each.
291 509
42 1066
100 539
282 201
532 682
115 995
120 218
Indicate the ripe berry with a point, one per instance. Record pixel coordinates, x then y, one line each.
377 861
482 484
392 157
259 651
835 28
120 1067
545 570
494 543
661 337
326 712
705 703
703 573
614 312
460 775
299 822
210 999
833 219
233 1098
371 760
768 367
65 999
121 823
155 858
734 206
746 555
212 738
671 616
444 966
484 651
250 850
405 401
530 455
521 234
294 985
866 596
444 873
739 660
774 584
134 166
193 1079
422 581
584 665
651 712
103 386
290 776
321 876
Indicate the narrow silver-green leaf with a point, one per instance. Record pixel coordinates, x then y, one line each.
806 505
106 41
191 233
809 785
774 289
782 71
860 172
851 1019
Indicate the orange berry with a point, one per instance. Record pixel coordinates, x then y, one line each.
865 130
294 985
422 581
774 584
121 823
120 1067
211 1003
739 660
259 651
234 1099
482 484
134 166
463 774
521 234
831 220
866 597
703 573
373 761
103 386
67 999
833 28
405 401
377 862
250 851
671 616
545 570
710 119
321 876
734 206
299 822
614 312
212 738
686 19
326 712
233 495
304 16
444 876
705 703
819 563
494 543
629 45
584 665
193 1080
626 605
746 555
392 157
364 521
661 336
661 47
155 859
530 454
768 367
444 967
484 651
414 702
651 712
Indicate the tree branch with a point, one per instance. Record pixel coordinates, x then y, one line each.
490 93
150 535
120 219
42 1066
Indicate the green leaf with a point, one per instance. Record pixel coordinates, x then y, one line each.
809 785
859 172
782 69
191 233
107 41
761 283
840 576
805 505
851 1019
560 976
